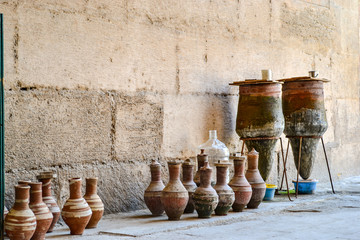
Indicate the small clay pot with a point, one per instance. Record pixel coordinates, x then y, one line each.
201 159
174 196
224 191
48 199
76 213
20 222
152 195
205 196
254 177
240 185
94 201
189 184
42 213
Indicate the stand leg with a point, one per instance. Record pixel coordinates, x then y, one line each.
242 148
286 157
327 164
284 173
298 169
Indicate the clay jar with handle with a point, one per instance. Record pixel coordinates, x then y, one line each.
20 222
42 213
76 213
205 196
174 197
257 183
152 195
94 201
189 184
240 185
224 191
201 159
48 199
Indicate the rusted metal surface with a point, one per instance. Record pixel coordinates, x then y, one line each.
305 116
260 119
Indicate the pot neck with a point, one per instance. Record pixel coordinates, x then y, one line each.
221 173
21 197
46 187
174 171
35 193
91 186
239 167
155 173
188 173
205 177
75 188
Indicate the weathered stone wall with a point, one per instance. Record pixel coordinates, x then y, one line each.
101 87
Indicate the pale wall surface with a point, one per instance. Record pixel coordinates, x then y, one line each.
101 87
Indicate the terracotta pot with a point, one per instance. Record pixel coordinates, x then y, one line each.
189 184
42 213
20 222
174 196
257 183
224 191
205 196
94 201
240 185
260 116
201 159
76 213
152 195
305 115
48 199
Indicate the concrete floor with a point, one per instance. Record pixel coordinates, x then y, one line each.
322 215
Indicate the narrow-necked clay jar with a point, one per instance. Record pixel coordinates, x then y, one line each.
240 185
224 191
257 183
205 196
174 196
76 213
20 222
189 184
201 159
94 201
152 195
49 200
42 213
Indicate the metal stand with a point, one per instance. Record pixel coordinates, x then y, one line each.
282 154
298 166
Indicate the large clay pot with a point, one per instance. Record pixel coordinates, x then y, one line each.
224 191
20 222
240 185
305 115
94 201
76 213
189 184
201 159
205 196
258 185
152 195
260 116
174 196
42 213
48 199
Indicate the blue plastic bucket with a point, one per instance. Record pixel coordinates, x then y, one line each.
270 192
306 186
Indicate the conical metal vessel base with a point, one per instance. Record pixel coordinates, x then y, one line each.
267 155
308 154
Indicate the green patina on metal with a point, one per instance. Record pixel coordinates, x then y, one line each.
259 116
2 138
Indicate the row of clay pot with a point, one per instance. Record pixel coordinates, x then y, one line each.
35 214
179 197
